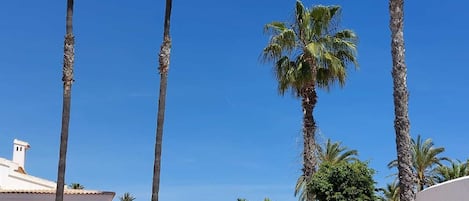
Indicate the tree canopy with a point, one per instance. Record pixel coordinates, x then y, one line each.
343 182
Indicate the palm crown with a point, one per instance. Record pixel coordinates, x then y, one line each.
425 158
455 170
311 50
335 153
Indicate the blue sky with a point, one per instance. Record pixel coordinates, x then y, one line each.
227 134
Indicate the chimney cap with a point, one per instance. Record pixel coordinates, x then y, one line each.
21 143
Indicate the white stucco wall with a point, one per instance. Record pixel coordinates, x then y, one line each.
19 152
51 197
453 190
10 179
3 172
16 185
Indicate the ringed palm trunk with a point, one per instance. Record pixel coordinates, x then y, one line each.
69 56
309 129
163 68
401 121
309 99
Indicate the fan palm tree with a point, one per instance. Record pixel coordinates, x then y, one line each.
401 101
455 170
164 57
76 186
424 160
335 153
127 197
309 53
67 78
391 192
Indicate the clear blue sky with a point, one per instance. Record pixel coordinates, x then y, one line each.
227 134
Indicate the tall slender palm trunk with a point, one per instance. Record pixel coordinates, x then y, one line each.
69 56
401 121
164 56
309 100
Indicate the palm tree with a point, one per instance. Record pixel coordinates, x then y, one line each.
330 152
391 192
455 170
424 160
311 52
243 199
67 78
401 101
76 186
127 197
163 68
335 153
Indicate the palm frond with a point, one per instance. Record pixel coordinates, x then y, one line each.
274 28
334 152
425 160
301 188
308 46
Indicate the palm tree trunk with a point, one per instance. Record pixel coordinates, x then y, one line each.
401 121
309 128
69 56
164 56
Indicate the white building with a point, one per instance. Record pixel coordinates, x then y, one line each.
452 190
17 185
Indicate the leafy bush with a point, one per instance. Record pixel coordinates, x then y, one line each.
343 182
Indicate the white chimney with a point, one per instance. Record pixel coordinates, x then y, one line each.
19 152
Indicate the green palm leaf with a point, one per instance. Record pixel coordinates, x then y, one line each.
310 52
425 158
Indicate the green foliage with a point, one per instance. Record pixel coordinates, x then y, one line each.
76 186
127 197
343 182
328 152
310 50
243 199
425 159
336 153
390 193
455 170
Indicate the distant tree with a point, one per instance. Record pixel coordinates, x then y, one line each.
243 199
309 53
127 197
424 161
455 170
335 153
343 182
390 193
76 186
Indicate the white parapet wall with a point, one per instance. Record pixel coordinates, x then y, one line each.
49 195
453 190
